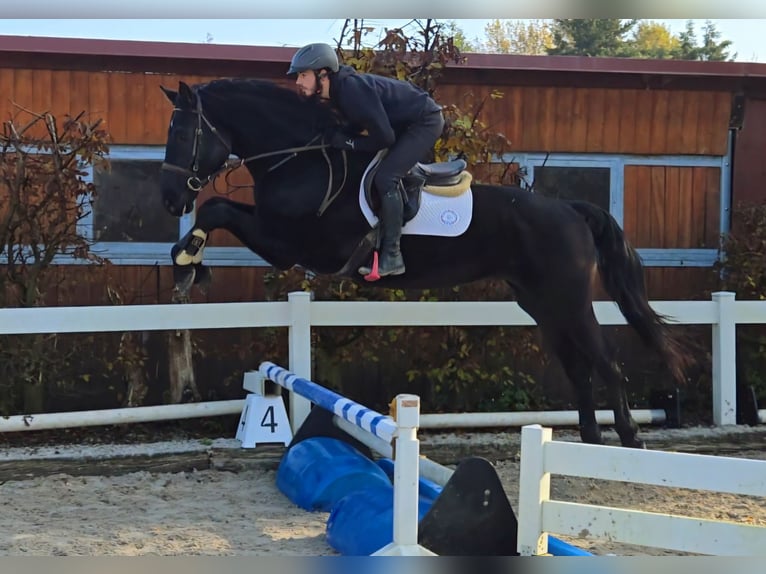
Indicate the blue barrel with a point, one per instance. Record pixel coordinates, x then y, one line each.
317 472
427 489
363 521
558 547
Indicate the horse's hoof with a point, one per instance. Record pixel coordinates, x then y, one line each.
179 297
183 277
203 277
634 443
591 435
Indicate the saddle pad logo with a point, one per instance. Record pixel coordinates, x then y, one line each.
449 217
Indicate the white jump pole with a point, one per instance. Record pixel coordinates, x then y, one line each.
402 429
45 421
520 419
428 469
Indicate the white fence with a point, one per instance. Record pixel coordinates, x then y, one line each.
539 515
299 314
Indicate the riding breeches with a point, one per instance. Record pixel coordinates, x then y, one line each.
412 145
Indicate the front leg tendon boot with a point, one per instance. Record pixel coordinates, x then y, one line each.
391 261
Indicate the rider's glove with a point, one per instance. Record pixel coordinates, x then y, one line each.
341 140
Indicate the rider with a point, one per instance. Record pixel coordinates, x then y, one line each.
395 114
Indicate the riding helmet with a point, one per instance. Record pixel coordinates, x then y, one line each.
314 57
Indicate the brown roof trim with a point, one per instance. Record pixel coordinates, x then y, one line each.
614 65
132 49
176 57
148 57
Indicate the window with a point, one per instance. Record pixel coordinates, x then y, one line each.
587 183
128 224
604 180
128 206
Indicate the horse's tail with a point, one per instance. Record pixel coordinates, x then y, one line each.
623 277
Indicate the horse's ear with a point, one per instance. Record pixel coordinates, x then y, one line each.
170 94
186 93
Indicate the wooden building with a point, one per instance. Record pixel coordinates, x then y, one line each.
667 146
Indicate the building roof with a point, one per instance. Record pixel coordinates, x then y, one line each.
500 69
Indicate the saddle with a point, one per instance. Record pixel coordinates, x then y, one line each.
440 178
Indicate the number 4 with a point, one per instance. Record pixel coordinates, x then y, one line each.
268 420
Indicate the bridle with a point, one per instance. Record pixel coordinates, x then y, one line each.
195 182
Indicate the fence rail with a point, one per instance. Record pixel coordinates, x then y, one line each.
539 515
300 314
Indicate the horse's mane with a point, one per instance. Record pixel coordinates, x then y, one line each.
241 97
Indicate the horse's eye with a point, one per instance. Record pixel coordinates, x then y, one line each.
182 136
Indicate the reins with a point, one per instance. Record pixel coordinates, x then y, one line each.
329 196
195 183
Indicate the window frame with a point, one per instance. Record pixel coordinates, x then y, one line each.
148 253
651 257
154 253
615 198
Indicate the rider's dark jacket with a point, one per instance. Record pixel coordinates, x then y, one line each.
382 106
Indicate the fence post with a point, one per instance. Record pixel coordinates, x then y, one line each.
724 360
534 489
299 356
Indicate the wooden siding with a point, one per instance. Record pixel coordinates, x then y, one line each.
674 283
664 206
592 120
230 186
749 167
595 120
680 284
143 284
672 207
147 284
134 109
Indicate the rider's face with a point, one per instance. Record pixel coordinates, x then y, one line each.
306 83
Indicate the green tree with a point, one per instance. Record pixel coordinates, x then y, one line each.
518 37
688 49
712 48
592 37
654 40
452 30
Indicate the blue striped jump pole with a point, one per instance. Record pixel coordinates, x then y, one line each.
371 421
403 430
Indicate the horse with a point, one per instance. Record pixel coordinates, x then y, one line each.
308 211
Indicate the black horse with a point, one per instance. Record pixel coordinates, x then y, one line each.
307 212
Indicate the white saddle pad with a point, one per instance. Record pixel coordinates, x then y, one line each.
438 215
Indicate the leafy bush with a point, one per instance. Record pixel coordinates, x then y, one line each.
743 271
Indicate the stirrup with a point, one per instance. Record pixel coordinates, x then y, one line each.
373 273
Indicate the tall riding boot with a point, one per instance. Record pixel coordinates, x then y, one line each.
391 261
